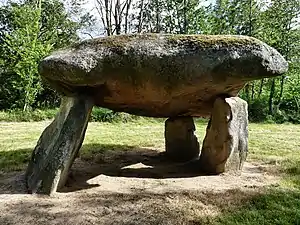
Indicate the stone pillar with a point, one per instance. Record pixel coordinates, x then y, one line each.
225 145
180 140
58 146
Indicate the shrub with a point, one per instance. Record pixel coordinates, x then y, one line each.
97 115
258 110
27 116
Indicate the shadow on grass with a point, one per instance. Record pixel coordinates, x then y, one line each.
115 208
291 167
14 160
231 207
276 206
104 159
280 206
248 207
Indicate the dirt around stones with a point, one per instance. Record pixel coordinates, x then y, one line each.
131 187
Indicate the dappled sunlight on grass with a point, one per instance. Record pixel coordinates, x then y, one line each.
271 141
14 160
269 144
276 206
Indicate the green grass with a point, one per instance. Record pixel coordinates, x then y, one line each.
98 115
27 116
269 144
274 207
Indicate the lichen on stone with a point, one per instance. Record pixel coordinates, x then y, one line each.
199 66
206 41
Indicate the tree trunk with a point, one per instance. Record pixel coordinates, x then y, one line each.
128 5
185 17
271 96
58 146
281 91
117 17
247 91
157 17
252 90
250 18
141 17
108 17
261 87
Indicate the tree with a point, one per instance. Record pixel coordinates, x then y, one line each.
30 31
114 15
24 49
279 25
170 16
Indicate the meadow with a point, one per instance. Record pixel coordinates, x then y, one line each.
273 147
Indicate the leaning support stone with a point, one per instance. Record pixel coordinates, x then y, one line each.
58 146
225 145
181 142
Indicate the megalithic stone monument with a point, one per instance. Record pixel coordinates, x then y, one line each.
174 76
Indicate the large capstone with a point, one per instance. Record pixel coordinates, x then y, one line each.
161 75
225 145
173 76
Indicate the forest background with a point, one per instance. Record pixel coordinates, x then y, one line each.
32 29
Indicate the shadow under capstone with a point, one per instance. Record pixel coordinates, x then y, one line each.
201 78
126 161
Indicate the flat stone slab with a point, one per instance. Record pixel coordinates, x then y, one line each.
160 75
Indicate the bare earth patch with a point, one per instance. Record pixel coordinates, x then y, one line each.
131 187
117 182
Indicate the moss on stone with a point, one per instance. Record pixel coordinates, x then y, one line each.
164 60
206 41
136 66
114 41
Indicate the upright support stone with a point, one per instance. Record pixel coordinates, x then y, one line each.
180 140
225 145
58 146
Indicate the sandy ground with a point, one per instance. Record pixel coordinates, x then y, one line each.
133 187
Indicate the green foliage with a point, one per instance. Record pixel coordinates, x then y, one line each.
27 116
97 115
277 206
30 31
25 50
103 115
257 111
276 24
106 115
14 160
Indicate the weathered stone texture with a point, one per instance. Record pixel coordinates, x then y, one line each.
161 75
58 146
180 140
225 145
173 76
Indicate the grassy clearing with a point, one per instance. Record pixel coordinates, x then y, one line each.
37 115
269 144
27 116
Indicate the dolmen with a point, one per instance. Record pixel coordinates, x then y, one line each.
177 77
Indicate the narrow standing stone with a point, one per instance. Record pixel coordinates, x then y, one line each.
58 146
181 142
225 145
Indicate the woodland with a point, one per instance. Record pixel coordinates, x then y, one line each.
32 29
